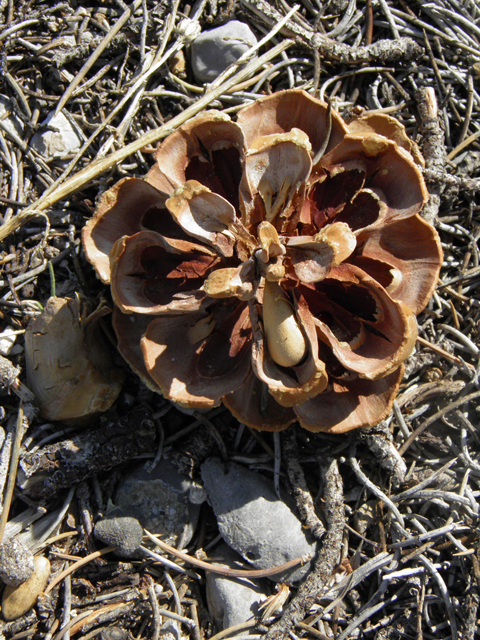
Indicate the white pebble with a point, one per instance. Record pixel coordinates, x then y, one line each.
11 123
59 140
7 340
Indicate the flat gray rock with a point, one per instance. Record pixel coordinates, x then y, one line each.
59 140
232 601
120 531
160 501
215 50
16 562
253 521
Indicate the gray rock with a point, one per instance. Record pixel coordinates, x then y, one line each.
120 531
11 123
16 562
159 500
232 601
253 521
215 50
59 140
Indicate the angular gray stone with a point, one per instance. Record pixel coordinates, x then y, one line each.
232 601
11 122
159 500
253 521
215 50
59 140
120 531
16 562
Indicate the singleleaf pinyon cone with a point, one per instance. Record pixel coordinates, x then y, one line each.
274 264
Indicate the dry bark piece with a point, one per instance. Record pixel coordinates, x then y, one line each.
57 466
433 145
327 559
68 365
380 52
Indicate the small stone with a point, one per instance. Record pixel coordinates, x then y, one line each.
232 601
11 123
364 516
17 601
7 340
67 41
120 531
59 140
197 494
86 37
16 562
253 521
16 350
160 502
215 50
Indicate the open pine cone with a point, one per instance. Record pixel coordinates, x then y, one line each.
274 264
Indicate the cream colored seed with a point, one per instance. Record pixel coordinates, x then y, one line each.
16 601
285 340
